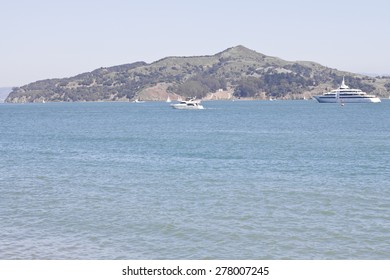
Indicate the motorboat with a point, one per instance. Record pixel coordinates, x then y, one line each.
344 94
190 104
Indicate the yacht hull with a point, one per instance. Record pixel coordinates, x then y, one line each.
185 107
326 99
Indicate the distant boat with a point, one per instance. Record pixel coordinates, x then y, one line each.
344 94
168 100
188 105
138 101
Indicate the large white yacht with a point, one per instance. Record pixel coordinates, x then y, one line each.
344 94
188 105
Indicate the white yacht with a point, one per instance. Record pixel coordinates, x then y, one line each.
344 94
188 105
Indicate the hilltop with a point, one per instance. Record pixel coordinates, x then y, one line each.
237 72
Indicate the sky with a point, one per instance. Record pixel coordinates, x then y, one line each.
43 39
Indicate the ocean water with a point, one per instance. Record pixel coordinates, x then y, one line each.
238 180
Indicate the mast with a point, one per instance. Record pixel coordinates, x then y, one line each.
343 85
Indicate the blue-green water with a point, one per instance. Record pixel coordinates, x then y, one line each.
239 180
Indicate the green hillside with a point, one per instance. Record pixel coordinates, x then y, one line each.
240 71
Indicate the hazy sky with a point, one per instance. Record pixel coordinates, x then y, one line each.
43 39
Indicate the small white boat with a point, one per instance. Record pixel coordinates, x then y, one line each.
168 100
188 105
138 101
344 94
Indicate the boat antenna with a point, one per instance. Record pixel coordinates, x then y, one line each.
343 85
